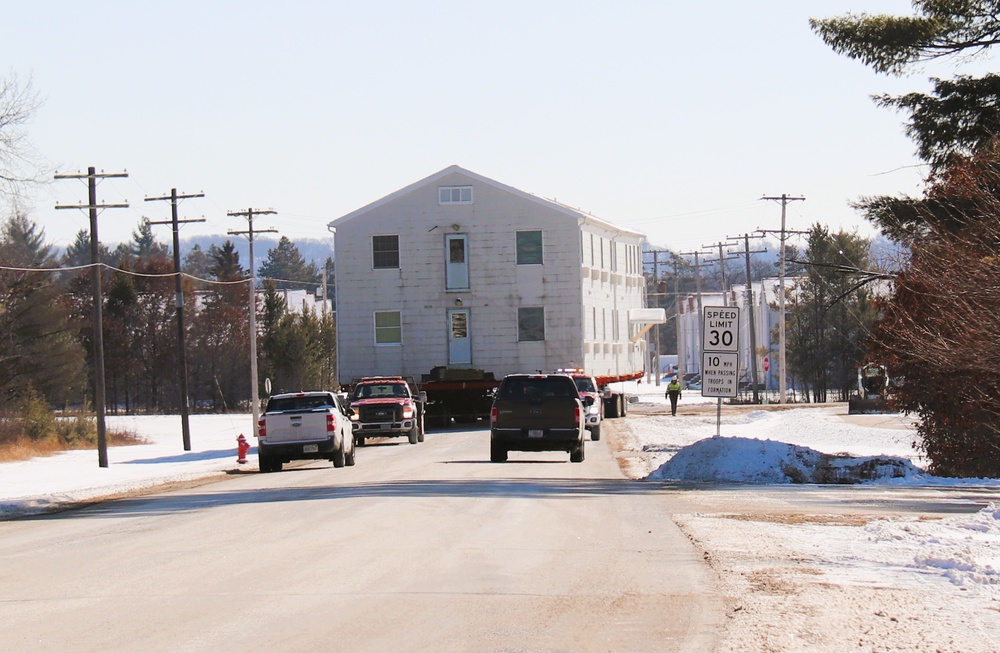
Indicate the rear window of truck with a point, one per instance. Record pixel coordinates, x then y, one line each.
284 404
537 388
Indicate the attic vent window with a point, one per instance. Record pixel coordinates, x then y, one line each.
454 194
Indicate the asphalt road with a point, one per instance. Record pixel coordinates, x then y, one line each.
424 547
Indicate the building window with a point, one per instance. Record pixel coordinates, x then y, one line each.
388 328
385 252
454 194
529 247
531 324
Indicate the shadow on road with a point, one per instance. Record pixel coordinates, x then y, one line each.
509 488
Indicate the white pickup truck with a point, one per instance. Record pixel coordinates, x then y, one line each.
304 426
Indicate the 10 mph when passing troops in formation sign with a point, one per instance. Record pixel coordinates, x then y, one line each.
720 360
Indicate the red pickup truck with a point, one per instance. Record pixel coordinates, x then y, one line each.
387 407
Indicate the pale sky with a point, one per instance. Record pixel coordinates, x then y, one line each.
669 118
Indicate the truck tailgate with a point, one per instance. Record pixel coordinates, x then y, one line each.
296 426
536 414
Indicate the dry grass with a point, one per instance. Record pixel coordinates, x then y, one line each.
15 446
796 518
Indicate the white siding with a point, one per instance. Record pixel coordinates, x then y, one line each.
564 284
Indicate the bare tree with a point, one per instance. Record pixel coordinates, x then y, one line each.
19 162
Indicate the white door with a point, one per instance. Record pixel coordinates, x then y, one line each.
459 343
456 252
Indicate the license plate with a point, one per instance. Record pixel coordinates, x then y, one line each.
535 433
310 448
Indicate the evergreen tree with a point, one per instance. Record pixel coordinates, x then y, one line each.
962 114
78 252
23 244
144 244
37 348
220 339
285 265
197 263
831 314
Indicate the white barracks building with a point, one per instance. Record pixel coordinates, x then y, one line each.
460 271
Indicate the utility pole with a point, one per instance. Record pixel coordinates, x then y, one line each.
249 215
325 272
722 266
95 276
656 331
750 314
677 318
784 199
179 295
660 298
697 290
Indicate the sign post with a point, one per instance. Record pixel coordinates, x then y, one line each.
720 360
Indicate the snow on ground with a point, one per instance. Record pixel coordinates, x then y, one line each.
824 582
72 477
795 582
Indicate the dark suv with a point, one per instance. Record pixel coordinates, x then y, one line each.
538 412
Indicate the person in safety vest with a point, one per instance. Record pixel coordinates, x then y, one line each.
673 394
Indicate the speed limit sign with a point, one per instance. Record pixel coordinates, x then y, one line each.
720 329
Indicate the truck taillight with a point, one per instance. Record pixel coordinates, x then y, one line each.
261 428
493 415
331 423
576 414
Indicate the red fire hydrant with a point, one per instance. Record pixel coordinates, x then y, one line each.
242 447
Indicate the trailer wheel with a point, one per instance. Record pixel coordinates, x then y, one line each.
624 405
611 407
595 432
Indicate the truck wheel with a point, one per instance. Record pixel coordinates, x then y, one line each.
414 434
498 453
338 455
576 453
359 440
595 433
420 438
349 456
267 464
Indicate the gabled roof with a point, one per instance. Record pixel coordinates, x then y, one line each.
433 179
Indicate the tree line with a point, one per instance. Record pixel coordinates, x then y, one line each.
46 323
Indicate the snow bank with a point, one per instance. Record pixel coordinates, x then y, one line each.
747 460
